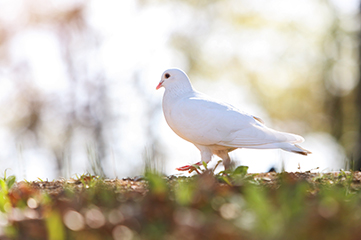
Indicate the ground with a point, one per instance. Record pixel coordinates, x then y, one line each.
231 205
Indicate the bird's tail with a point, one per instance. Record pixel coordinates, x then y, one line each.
296 149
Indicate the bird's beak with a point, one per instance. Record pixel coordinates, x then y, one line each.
159 85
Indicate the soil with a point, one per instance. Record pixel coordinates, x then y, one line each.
139 185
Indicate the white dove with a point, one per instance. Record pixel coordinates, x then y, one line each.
215 127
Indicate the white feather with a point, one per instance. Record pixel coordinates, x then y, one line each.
216 127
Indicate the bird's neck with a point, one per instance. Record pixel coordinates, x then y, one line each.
178 89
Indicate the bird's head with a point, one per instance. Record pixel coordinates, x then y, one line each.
172 76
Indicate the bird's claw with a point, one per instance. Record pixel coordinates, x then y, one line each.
184 168
190 168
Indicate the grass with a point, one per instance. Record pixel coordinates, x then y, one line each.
228 205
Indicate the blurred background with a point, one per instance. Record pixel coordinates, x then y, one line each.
78 78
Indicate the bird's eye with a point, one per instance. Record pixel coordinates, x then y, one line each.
167 75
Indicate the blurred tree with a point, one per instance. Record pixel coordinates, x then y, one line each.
78 120
56 122
357 147
153 156
89 114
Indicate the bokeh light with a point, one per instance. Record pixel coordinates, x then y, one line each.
77 81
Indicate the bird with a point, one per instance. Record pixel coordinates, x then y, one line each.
216 127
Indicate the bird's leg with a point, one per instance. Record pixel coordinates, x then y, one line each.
226 159
206 156
227 163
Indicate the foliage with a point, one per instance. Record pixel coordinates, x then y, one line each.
5 185
228 205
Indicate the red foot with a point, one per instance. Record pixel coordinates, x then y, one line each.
184 168
189 167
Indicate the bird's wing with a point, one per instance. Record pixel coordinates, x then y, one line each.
204 121
257 135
